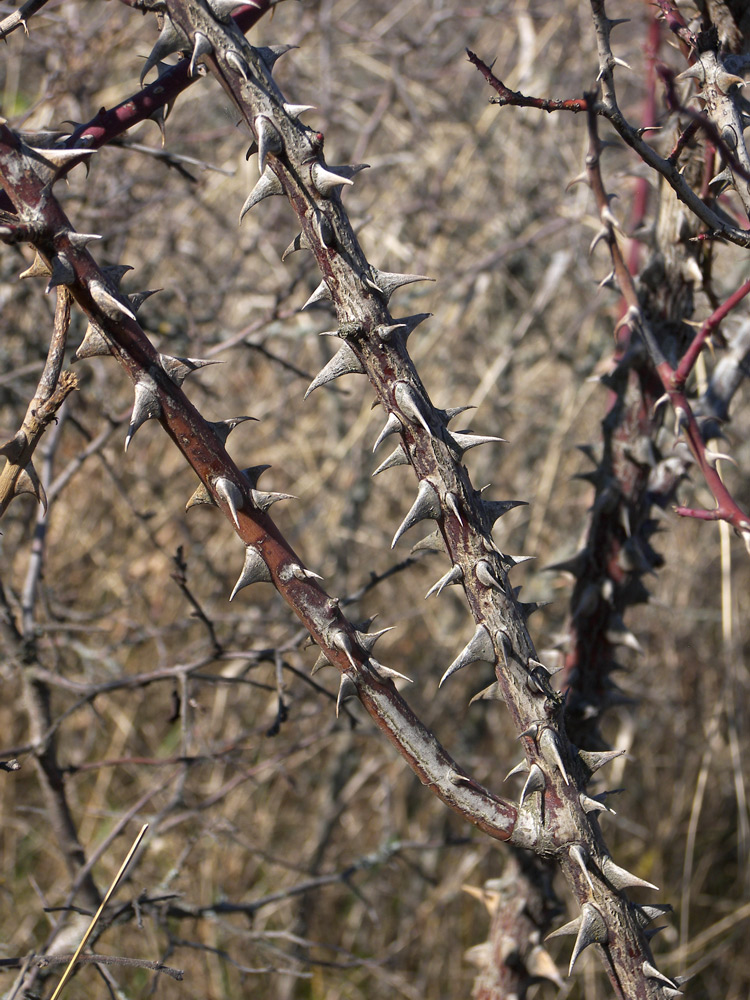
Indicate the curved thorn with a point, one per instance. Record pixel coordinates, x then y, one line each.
593 930
232 496
347 689
397 457
201 47
325 181
535 782
452 505
550 748
410 405
268 184
344 362
579 855
454 575
485 575
254 570
620 878
478 649
392 425
146 406
427 505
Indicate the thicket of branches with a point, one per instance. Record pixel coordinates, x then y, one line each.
289 852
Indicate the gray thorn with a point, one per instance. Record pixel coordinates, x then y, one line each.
344 362
653 973
454 575
580 856
268 184
145 407
410 404
321 294
397 457
485 575
178 369
201 47
451 503
325 181
172 39
620 878
347 689
550 747
593 930
521 768
594 759
465 442
386 282
238 63
254 570
392 426
427 505
478 649
534 783
269 140
108 303
232 496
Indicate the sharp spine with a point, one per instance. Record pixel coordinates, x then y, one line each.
29 482
549 745
620 878
427 505
223 8
172 39
386 282
325 181
486 577
269 140
493 692
295 110
592 930
652 972
238 63
535 782
342 642
344 362
451 503
62 272
178 369
347 689
465 442
521 768
201 47
392 426
268 184
594 759
579 854
478 649
397 457
454 575
300 242
254 570
107 302
145 407
494 509
321 294
95 344
232 496
411 405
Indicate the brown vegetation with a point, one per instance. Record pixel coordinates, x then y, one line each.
290 853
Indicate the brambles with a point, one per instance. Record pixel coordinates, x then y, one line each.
212 748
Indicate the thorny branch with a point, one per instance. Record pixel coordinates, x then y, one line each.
555 816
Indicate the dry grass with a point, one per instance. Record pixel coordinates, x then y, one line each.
474 196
